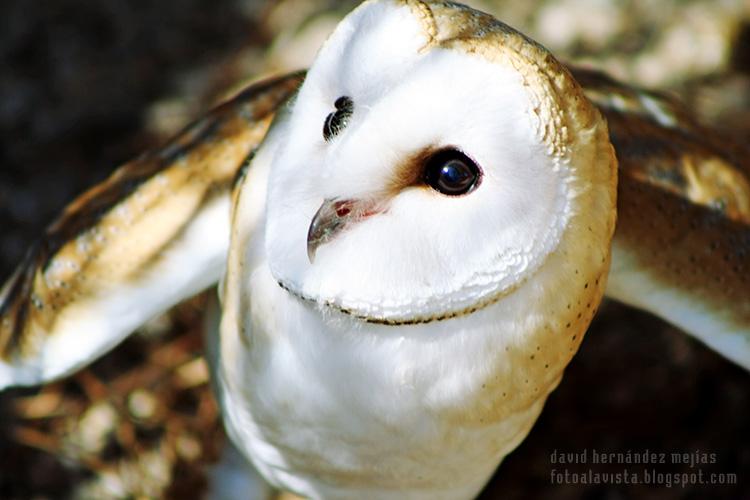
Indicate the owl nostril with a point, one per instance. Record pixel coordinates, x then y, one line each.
342 208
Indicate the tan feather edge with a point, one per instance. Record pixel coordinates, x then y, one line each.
119 229
682 244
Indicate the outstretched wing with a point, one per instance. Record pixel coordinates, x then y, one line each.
682 245
154 233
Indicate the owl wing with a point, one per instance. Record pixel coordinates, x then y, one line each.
681 249
154 233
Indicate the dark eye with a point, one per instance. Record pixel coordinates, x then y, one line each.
339 119
451 172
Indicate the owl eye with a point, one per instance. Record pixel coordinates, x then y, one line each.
451 172
339 119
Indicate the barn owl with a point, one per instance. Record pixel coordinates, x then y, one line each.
411 240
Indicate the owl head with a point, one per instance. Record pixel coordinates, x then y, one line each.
435 162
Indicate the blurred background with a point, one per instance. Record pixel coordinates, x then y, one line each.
87 84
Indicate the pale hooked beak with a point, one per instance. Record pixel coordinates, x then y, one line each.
333 216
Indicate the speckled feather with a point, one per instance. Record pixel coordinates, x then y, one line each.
115 232
478 368
660 143
682 244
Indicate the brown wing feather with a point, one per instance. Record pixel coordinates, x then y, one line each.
682 245
123 229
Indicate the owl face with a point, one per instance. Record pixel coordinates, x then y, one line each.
412 179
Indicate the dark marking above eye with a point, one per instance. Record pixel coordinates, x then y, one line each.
451 172
338 120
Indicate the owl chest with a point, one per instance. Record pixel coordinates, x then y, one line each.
333 408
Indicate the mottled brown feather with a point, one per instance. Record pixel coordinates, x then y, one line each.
683 230
688 247
658 142
120 228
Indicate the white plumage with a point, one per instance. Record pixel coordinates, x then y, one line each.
414 352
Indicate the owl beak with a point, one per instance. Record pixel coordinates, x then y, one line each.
333 216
